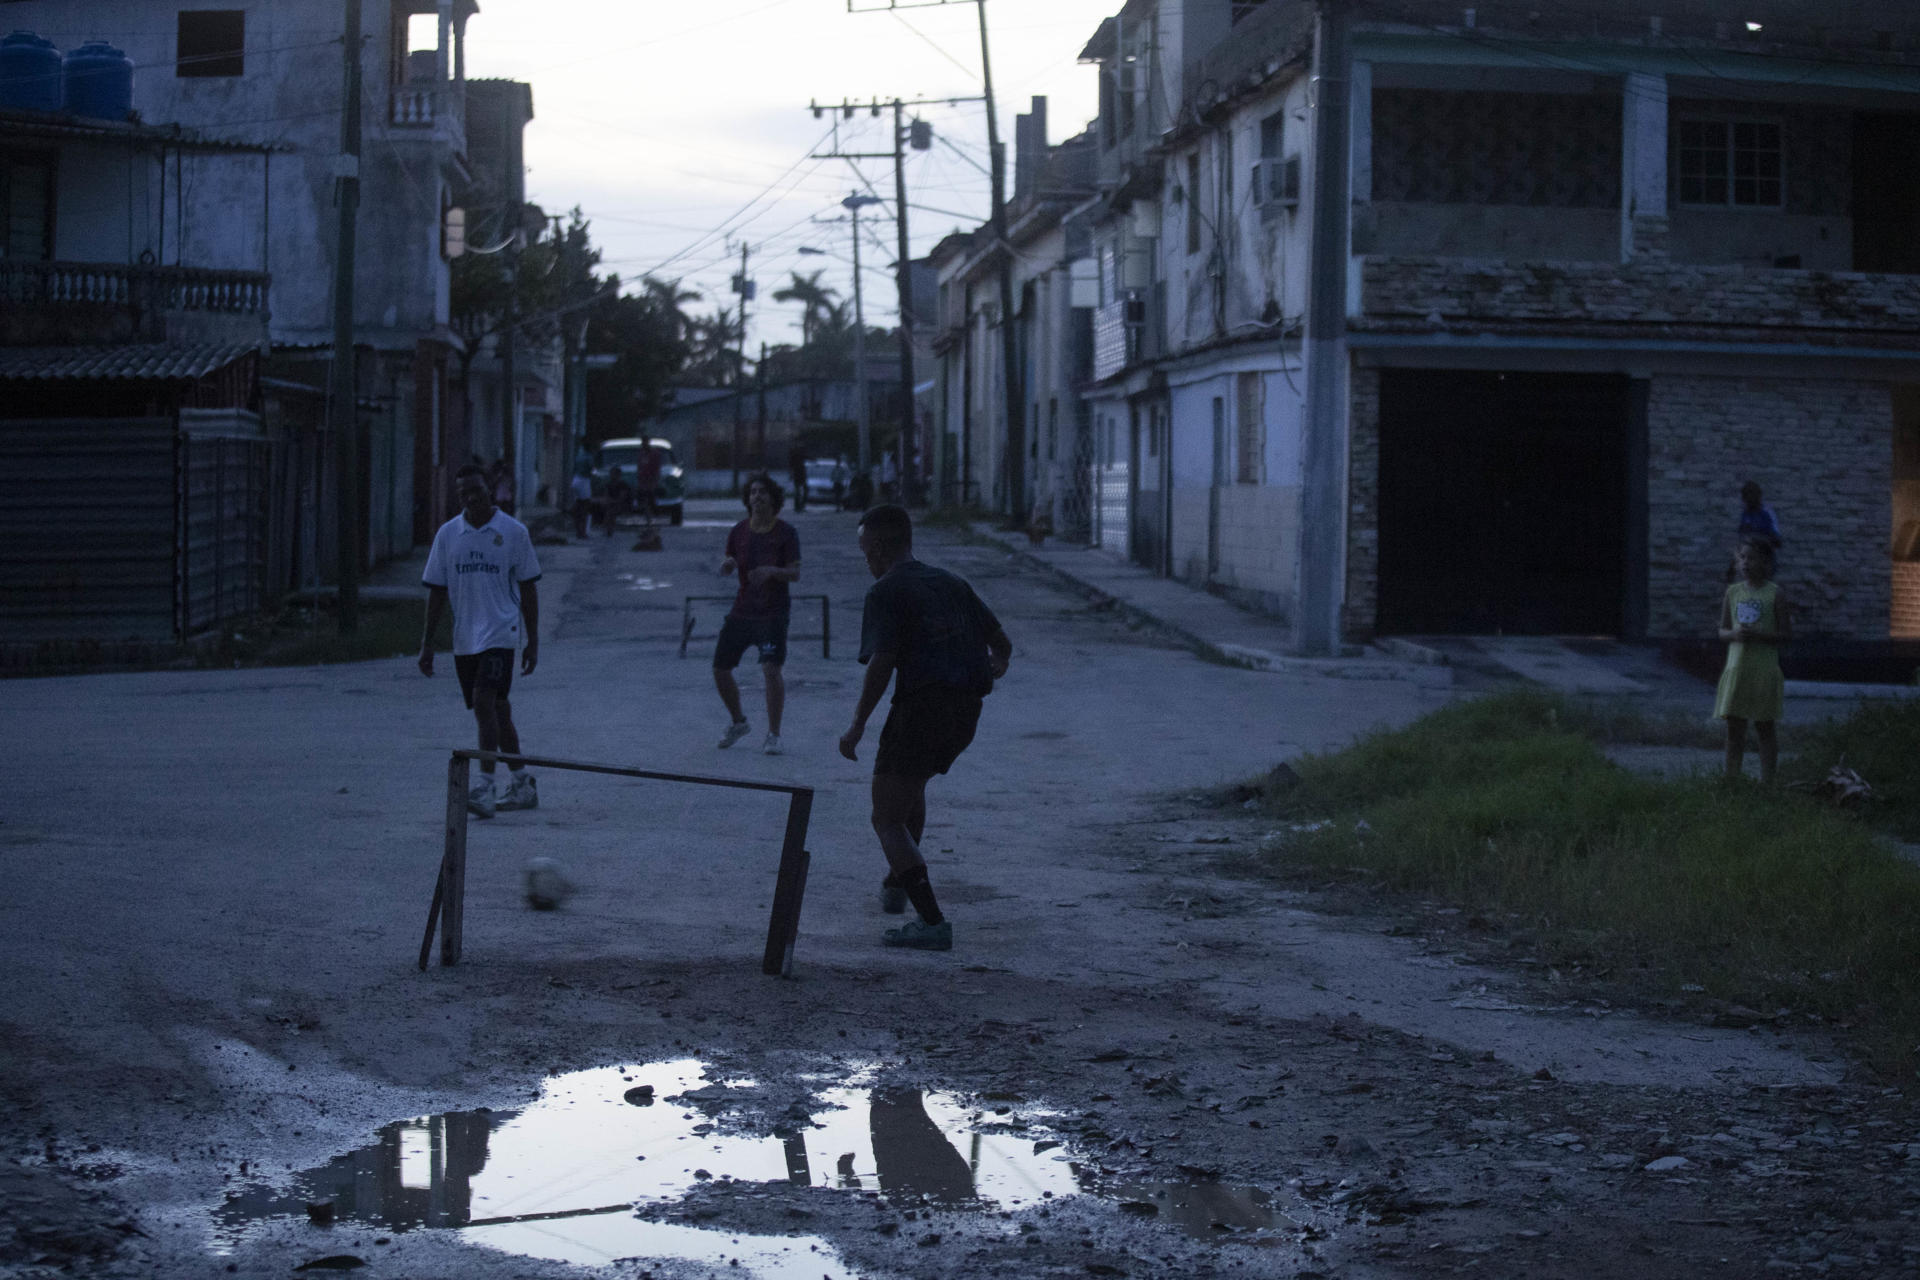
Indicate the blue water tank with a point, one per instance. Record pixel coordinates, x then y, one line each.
29 73
99 82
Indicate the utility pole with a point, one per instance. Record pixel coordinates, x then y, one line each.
344 419
920 135
909 420
862 415
760 430
1009 352
1323 494
744 287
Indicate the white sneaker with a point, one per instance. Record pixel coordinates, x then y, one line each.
735 731
480 801
772 745
521 792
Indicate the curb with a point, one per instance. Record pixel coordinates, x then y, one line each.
1430 672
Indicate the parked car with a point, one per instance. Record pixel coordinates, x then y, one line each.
623 455
821 485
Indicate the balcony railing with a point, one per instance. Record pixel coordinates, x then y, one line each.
112 285
414 105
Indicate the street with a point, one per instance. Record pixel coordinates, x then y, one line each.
1133 1062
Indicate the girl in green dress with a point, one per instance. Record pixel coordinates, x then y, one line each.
1755 621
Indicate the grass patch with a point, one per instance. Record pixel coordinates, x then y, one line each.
1502 805
1880 741
1626 722
306 636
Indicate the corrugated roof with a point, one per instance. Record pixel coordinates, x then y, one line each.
152 363
42 124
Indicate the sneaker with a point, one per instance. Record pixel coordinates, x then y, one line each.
921 936
480 801
521 792
735 731
772 745
893 899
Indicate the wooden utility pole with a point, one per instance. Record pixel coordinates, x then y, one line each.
744 288
344 418
1016 396
909 420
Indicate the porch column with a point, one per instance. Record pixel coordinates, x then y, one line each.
1643 167
443 47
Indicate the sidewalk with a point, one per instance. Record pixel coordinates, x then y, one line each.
1220 630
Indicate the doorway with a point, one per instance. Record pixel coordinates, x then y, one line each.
1503 502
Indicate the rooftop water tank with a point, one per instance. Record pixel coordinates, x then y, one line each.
29 73
99 82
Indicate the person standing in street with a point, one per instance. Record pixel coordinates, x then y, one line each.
797 477
764 551
646 479
1755 620
581 486
482 565
927 632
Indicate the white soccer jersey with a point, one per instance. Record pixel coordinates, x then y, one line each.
482 570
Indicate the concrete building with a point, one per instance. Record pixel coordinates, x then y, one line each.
1601 269
268 74
1053 296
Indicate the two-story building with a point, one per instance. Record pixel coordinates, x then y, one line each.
1600 270
1052 274
270 73
133 461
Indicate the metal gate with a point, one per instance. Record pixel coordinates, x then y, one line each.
222 543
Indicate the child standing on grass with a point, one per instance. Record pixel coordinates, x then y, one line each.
1755 620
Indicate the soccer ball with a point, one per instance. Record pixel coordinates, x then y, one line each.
547 884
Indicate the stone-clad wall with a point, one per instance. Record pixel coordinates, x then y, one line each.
1821 449
1647 291
1363 505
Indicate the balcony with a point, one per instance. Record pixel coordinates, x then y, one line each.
86 303
1767 304
429 108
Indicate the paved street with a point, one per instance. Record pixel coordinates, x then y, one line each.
217 882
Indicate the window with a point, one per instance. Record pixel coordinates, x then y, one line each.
1730 162
1273 136
26 200
211 42
1193 203
1251 438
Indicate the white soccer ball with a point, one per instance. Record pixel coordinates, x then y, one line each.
547 884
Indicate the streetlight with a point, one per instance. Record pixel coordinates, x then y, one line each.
853 204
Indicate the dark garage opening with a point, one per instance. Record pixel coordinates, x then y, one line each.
1503 502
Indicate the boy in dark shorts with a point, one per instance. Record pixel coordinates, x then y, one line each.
765 552
482 564
926 631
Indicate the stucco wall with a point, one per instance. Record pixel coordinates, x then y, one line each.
1822 451
1760 238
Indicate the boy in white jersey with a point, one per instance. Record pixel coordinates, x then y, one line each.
482 564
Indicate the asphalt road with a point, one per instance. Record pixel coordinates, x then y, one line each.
216 883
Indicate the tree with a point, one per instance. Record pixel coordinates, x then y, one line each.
814 298
714 356
650 337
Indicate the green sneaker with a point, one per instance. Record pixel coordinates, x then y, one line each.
921 936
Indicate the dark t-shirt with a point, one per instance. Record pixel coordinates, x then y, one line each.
933 624
779 547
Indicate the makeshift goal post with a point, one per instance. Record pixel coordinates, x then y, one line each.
450 889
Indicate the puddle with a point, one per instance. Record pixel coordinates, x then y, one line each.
637 583
561 1178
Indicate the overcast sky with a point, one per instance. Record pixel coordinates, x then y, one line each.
667 122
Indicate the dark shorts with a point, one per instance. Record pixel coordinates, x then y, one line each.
926 731
487 669
768 635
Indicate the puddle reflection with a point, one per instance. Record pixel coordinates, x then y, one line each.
560 1178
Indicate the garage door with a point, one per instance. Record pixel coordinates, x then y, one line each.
1503 502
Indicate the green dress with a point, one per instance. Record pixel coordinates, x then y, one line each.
1751 688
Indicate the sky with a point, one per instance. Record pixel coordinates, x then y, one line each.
681 130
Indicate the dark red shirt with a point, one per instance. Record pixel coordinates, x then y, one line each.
779 547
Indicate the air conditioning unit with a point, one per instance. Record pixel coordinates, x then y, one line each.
1276 183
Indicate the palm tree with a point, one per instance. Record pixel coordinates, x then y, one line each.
815 299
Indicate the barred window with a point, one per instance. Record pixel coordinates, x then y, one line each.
1730 162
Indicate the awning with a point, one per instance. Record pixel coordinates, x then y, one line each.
149 363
